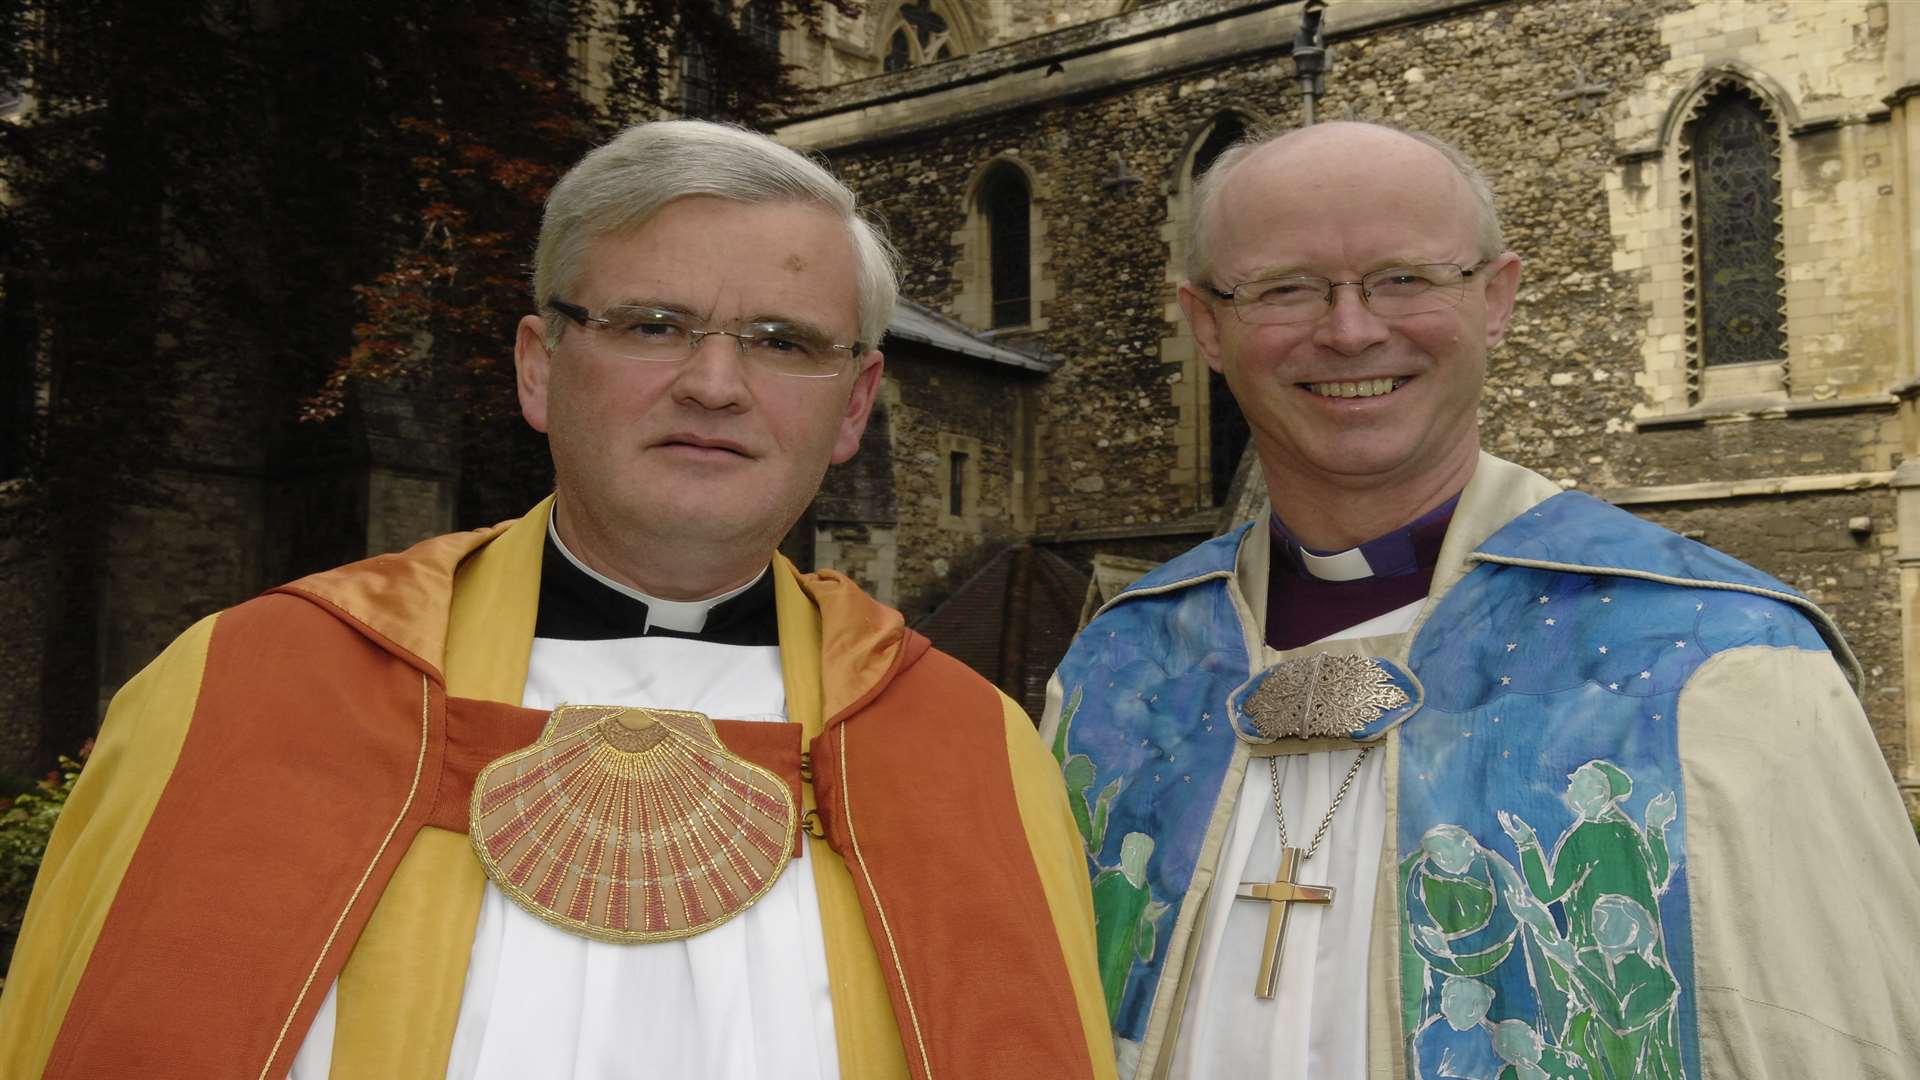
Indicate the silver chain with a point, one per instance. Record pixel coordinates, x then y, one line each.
1280 816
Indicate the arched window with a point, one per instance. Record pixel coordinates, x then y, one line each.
920 34
1732 148
1007 206
1227 431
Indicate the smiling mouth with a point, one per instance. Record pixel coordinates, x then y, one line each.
1362 388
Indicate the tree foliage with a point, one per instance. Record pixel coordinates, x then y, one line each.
26 823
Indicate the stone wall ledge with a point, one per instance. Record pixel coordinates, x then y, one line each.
1718 490
1738 410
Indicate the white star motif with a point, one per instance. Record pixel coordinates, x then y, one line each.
1603 650
1646 674
1512 645
1679 644
1697 607
1550 622
1606 599
1656 716
1465 734
1543 599
1506 680
1506 753
1613 686
1206 716
1496 719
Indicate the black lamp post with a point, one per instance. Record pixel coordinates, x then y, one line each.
1310 57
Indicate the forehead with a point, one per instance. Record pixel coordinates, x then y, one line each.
1343 202
722 257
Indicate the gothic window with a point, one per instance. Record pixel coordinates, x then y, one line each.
1732 147
920 34
699 96
760 22
1227 431
1007 206
899 50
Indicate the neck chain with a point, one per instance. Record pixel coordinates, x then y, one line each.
1286 889
1280 816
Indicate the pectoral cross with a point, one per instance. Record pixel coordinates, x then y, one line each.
1283 893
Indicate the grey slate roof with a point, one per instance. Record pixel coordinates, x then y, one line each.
911 322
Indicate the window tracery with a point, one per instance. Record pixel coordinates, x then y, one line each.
1734 244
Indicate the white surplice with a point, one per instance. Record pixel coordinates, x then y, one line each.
1316 1024
746 1000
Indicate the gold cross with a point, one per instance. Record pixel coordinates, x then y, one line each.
1283 893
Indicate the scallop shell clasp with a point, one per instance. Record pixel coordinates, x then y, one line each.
631 824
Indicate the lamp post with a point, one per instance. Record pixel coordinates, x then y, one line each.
1310 57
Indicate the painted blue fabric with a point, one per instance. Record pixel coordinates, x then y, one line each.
1542 896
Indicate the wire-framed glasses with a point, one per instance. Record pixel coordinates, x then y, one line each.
656 335
1388 293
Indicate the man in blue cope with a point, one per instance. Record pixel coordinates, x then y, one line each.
1443 771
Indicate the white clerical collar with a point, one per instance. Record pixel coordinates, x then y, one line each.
1348 565
686 616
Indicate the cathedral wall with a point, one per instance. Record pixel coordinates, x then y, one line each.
1570 111
940 409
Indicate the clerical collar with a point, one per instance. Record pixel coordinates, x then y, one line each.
1406 550
578 603
1312 594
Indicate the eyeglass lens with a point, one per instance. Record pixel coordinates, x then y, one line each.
1392 292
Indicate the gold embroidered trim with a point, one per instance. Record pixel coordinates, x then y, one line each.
419 763
853 841
631 824
1322 696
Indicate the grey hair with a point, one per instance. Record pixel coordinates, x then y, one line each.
1206 192
621 184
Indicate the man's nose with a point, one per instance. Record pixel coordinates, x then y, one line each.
1349 326
714 374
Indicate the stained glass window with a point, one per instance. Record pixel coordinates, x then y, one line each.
1005 201
1737 230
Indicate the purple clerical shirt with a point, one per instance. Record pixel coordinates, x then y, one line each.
1304 605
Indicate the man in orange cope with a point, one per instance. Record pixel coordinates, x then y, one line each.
611 790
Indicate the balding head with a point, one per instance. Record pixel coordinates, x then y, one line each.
1331 151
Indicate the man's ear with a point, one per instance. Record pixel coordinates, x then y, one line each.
531 363
1503 284
853 422
1200 316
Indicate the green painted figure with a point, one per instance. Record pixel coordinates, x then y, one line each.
1606 876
